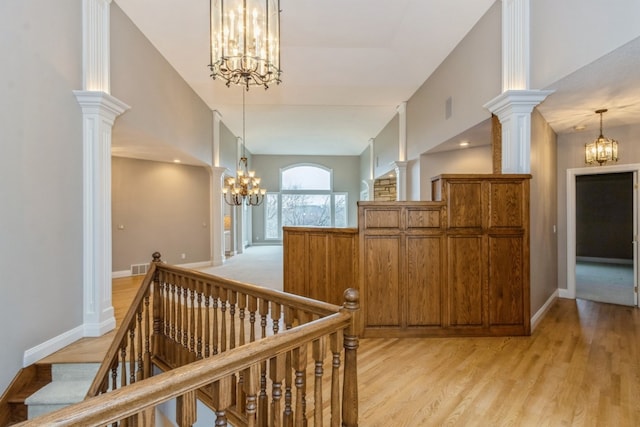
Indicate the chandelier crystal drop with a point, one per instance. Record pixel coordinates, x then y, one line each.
602 150
245 42
245 187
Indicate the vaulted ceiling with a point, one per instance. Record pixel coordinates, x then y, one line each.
347 65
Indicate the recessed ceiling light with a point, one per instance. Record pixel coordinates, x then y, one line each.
176 160
579 127
464 144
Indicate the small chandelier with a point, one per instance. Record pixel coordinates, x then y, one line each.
601 150
245 187
245 42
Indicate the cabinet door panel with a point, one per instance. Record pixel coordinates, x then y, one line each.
318 273
465 275
424 256
382 259
505 280
295 261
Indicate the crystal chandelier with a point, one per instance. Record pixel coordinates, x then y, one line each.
245 42
245 187
601 150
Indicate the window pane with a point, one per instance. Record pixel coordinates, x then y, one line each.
306 178
271 229
306 210
341 210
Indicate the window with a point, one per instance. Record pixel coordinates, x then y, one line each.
305 199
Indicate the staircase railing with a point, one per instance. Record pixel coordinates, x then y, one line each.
247 352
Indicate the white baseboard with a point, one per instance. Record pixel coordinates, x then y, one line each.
564 293
535 320
196 265
120 274
40 351
99 329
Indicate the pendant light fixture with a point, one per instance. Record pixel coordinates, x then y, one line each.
245 187
602 150
245 42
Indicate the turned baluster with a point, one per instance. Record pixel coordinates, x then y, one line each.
223 321
132 354
184 324
242 304
251 388
146 363
300 366
186 412
207 320
192 321
231 296
336 347
350 386
123 364
277 366
276 311
253 307
139 349
263 400
216 292
200 326
158 316
221 399
319 350
287 417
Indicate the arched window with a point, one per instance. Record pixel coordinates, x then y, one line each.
306 199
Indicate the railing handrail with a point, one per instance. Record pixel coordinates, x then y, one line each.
127 401
295 301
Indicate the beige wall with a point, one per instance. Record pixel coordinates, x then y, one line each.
160 207
571 156
385 148
543 213
41 169
464 160
165 111
470 76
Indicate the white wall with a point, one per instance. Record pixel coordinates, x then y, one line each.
41 185
470 76
463 160
571 155
164 108
385 148
584 30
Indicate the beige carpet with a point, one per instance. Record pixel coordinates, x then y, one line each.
610 283
258 265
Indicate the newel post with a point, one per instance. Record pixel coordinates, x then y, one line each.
351 342
157 307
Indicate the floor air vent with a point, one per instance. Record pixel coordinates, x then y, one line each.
139 269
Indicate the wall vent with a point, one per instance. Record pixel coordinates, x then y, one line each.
139 269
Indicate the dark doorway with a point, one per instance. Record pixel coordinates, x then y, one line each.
604 237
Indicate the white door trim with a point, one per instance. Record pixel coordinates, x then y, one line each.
570 292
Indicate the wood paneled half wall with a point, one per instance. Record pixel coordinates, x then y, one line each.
455 266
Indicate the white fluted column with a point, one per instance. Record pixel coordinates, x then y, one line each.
401 181
402 131
516 102
217 215
99 110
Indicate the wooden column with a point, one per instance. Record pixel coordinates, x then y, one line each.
496 144
351 343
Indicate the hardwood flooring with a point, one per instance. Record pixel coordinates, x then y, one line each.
580 367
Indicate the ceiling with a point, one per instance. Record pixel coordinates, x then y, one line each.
337 89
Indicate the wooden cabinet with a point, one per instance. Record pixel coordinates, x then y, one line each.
458 265
320 263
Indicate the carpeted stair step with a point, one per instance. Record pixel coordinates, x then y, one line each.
70 383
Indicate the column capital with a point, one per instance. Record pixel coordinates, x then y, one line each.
101 103
516 101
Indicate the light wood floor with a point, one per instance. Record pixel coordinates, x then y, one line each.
580 367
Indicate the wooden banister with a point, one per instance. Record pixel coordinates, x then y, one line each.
195 328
